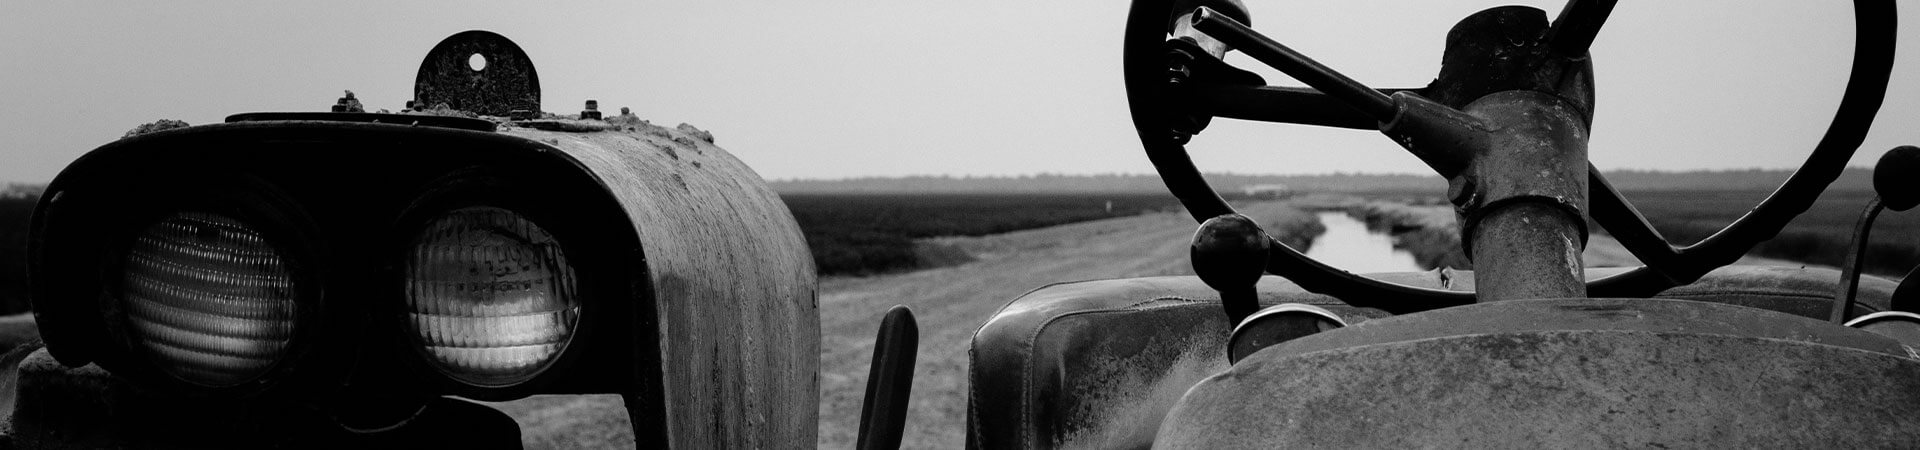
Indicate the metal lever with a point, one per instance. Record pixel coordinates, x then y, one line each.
1895 168
1369 101
1229 253
883 413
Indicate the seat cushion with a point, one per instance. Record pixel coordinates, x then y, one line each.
1097 364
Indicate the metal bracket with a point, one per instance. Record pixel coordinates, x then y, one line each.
504 82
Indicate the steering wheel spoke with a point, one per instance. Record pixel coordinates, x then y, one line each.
1573 31
1296 105
1626 224
1368 101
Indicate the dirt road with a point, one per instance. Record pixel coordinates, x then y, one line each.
950 304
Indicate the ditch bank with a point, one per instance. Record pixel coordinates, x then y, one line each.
1423 227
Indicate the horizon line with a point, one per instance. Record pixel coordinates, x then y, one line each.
1229 173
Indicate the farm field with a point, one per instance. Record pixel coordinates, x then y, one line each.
1821 235
863 234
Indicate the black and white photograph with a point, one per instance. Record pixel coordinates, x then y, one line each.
1077 224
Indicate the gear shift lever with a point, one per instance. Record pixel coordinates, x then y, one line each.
1230 254
1894 189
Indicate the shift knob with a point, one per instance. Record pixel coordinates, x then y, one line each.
1230 254
1894 178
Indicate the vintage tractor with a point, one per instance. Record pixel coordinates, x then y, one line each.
1531 350
349 279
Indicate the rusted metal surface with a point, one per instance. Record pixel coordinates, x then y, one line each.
508 81
733 284
1514 153
1900 325
592 112
1596 373
1095 364
700 295
1528 250
400 119
1620 315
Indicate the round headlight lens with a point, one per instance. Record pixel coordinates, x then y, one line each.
490 296
208 299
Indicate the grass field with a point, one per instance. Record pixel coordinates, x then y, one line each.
862 234
1821 235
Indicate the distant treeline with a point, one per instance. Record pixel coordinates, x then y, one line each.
1751 179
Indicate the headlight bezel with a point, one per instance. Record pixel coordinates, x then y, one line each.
535 202
281 222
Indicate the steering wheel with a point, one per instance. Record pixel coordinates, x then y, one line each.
1165 112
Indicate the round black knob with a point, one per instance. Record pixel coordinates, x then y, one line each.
1230 254
1894 178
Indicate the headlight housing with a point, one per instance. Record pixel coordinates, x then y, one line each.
208 298
491 298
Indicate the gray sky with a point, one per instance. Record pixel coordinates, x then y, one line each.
836 88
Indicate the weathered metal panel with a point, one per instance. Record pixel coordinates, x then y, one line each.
1097 364
1598 374
733 282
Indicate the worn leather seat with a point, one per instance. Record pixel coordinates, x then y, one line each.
1097 364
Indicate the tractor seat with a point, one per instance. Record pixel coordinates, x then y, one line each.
1097 364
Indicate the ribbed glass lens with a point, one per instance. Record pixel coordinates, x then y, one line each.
490 295
208 299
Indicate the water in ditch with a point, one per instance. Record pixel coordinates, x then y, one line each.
1348 244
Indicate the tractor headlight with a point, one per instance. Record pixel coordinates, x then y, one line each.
490 296
207 299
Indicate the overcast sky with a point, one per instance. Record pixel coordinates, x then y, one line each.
835 88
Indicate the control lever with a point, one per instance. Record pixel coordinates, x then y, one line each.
883 414
1229 253
1897 167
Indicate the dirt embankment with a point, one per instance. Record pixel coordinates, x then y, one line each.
1427 231
1423 227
